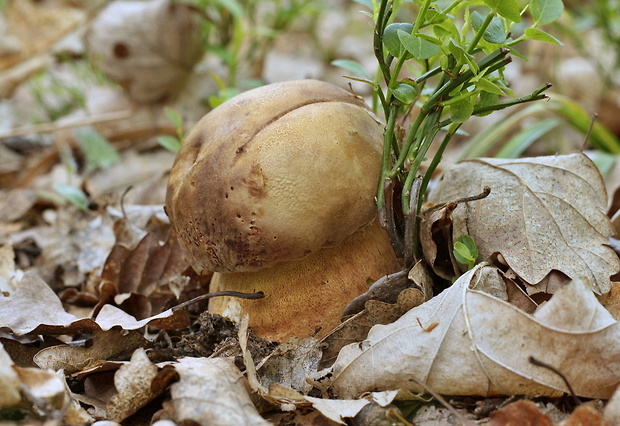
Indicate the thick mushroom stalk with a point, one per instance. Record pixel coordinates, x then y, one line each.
274 191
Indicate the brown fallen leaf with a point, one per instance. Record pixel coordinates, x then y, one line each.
543 214
106 345
480 345
585 414
133 381
522 412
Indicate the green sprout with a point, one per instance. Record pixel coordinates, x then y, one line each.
465 251
172 143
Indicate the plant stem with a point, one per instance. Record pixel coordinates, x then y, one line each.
480 32
388 137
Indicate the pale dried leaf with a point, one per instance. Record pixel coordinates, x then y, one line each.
543 214
148 47
34 308
133 383
9 381
9 275
43 388
462 342
338 409
211 392
106 345
290 363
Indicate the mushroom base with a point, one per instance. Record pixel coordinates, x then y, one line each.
307 296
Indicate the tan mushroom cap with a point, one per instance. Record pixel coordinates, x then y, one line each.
275 174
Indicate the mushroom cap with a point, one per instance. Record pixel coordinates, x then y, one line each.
275 174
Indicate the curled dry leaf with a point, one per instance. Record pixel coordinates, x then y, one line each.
466 341
211 392
543 214
34 308
106 345
9 381
133 381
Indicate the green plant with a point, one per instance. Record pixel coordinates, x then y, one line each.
97 150
437 72
172 143
243 31
465 251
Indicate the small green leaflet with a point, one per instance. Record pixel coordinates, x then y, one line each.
171 143
97 150
546 11
174 117
72 194
405 93
419 47
392 41
352 66
508 9
495 32
540 35
460 111
465 251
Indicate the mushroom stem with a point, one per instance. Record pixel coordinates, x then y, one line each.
307 296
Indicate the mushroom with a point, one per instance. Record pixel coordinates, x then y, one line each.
274 191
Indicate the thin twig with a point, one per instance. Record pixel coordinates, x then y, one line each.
539 363
54 126
585 140
257 295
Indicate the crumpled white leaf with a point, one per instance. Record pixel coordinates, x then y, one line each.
34 307
211 392
543 214
468 342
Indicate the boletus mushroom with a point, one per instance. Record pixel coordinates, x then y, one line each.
274 191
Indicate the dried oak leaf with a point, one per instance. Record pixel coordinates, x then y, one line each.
32 307
467 341
211 392
543 214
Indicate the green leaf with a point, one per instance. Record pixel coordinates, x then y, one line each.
174 116
465 251
495 32
418 47
508 9
171 143
487 99
488 86
405 93
539 35
461 55
97 150
460 111
546 11
392 41
72 194
352 66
